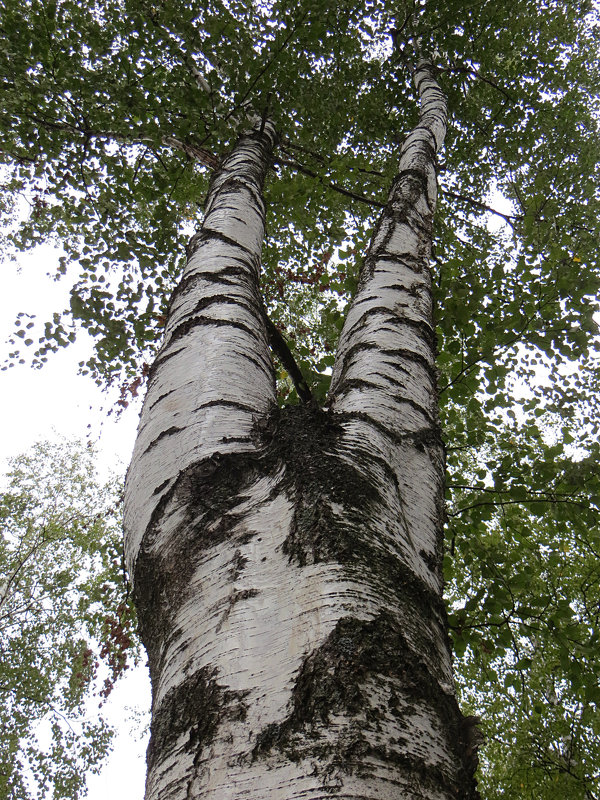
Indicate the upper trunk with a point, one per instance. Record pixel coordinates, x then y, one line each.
287 564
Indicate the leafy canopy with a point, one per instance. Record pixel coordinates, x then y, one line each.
115 111
66 626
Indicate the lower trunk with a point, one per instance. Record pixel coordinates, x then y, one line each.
293 652
286 563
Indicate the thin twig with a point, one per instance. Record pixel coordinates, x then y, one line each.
336 187
509 218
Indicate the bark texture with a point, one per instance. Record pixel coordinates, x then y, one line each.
287 563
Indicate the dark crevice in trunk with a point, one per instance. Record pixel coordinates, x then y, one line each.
228 403
207 492
408 260
209 233
430 435
397 354
398 320
160 360
264 366
221 277
226 300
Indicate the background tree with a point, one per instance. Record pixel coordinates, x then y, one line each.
524 588
66 625
114 114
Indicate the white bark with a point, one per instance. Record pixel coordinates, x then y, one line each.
213 374
287 563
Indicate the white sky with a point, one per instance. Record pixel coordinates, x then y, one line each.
55 401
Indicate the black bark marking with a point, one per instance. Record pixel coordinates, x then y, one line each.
226 300
320 478
416 264
332 681
430 435
169 432
265 366
317 475
422 327
397 303
185 327
207 233
196 707
239 563
160 360
401 353
305 439
234 184
226 403
349 384
226 276
234 598
398 354
400 210
415 178
207 491
161 486
192 246
161 397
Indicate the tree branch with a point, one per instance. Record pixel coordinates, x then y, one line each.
280 347
476 74
330 184
510 218
502 503
267 66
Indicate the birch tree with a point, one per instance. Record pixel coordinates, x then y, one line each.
66 632
302 648
285 519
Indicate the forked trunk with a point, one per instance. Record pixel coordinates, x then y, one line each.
287 563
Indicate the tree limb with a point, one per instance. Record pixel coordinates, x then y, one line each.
510 218
330 184
280 347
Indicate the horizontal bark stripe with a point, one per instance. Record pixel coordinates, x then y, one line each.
226 276
377 389
243 300
162 435
423 327
374 260
232 185
207 234
163 355
226 403
198 321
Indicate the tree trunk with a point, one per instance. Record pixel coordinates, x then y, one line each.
287 562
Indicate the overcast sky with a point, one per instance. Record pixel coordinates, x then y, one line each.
52 402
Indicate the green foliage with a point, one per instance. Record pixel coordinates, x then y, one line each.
108 135
104 120
524 584
66 626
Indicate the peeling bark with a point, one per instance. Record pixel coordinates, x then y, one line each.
287 563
